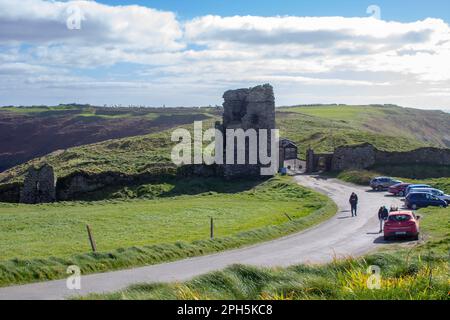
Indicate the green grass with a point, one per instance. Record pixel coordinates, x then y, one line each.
40 109
418 273
321 127
390 128
38 242
415 171
338 112
133 155
363 177
129 155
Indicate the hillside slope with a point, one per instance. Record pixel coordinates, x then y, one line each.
31 132
387 127
321 127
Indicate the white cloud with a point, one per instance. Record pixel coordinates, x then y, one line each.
20 68
115 32
333 43
362 60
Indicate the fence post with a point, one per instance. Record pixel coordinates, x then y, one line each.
212 228
91 238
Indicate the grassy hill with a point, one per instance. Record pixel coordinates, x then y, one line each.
30 132
387 127
321 127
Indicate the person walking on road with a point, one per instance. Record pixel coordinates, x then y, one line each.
383 214
354 204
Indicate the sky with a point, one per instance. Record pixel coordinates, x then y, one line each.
188 52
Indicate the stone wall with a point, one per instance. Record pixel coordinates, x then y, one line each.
353 157
366 156
79 184
39 185
431 156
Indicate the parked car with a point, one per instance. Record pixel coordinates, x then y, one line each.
436 192
402 224
381 183
398 189
415 200
412 186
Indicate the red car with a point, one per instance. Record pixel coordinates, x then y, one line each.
401 224
398 189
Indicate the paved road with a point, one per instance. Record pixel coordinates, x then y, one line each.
340 236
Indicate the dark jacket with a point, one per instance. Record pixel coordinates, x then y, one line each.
383 213
353 200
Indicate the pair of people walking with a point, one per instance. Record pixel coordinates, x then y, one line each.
383 212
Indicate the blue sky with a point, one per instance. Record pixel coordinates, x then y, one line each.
399 10
188 52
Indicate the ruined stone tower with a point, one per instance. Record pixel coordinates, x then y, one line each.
252 108
39 185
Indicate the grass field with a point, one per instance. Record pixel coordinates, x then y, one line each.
420 272
38 242
363 177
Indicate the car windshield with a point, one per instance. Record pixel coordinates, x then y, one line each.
400 217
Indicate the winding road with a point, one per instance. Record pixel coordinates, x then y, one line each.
340 236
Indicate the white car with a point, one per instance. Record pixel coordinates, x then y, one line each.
436 192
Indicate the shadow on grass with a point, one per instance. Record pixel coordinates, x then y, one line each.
193 186
170 187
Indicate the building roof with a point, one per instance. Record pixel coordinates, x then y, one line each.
286 143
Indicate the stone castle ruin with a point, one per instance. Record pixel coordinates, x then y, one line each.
252 108
39 185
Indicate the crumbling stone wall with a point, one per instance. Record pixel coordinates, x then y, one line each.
366 156
80 184
39 185
354 157
430 156
252 108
